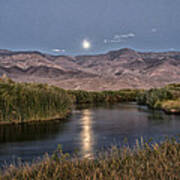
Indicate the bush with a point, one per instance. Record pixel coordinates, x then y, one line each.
154 97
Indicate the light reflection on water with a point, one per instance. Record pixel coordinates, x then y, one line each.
86 135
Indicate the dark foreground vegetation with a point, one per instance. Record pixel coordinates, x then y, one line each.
143 162
167 98
23 102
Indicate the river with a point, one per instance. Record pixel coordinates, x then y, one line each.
88 130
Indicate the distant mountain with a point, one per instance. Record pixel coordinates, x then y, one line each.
120 69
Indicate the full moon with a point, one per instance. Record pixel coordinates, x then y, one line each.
86 44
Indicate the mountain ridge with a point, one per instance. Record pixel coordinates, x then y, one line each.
124 68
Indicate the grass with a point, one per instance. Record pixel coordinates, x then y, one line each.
171 106
24 102
143 162
167 98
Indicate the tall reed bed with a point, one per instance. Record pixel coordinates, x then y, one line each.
143 162
20 102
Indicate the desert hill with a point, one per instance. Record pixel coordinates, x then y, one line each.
124 68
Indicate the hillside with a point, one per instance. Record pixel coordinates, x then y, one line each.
114 70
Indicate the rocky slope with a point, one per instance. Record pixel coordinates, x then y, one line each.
120 69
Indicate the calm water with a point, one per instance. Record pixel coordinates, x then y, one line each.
88 130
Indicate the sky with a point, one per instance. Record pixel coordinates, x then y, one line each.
61 26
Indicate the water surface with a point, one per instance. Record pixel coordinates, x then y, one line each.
88 129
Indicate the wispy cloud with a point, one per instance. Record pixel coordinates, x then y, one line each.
172 49
154 30
106 41
124 36
59 50
118 38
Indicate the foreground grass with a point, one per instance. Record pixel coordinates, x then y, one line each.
155 162
24 102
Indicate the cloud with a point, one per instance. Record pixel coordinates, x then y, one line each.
105 41
172 49
59 50
118 38
154 30
124 36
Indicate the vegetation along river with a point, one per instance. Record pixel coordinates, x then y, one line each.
87 130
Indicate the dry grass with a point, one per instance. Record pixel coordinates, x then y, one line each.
155 162
171 106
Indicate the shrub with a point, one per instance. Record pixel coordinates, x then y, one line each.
154 97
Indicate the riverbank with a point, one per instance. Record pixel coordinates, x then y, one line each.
142 162
171 106
166 99
28 102
25 103
53 119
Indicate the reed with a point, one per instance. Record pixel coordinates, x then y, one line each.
25 102
143 162
21 102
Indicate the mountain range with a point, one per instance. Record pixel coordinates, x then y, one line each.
124 68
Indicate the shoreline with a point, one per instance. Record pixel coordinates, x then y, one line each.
40 102
60 118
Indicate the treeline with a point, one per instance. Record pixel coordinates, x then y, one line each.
154 97
167 98
20 102
85 97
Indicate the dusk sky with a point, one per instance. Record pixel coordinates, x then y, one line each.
61 26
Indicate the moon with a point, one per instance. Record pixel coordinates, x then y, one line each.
86 44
